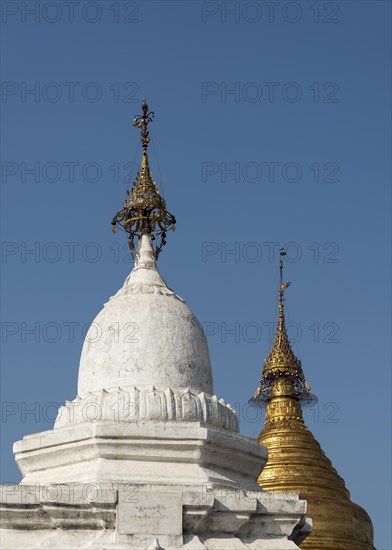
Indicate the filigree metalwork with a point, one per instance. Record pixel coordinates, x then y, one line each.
142 121
144 208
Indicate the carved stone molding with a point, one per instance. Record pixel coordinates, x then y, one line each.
133 404
79 516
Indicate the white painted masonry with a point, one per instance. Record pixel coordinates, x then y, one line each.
146 457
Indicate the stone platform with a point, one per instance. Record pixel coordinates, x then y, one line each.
142 517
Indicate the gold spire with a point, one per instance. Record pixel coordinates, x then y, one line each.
144 209
296 463
281 361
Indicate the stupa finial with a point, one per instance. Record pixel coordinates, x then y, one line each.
144 210
282 286
281 363
142 121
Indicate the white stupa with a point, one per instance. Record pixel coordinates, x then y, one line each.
146 456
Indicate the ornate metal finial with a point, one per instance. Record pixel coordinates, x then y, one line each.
282 286
144 210
142 121
281 364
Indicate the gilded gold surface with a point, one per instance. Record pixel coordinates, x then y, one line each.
145 193
297 464
281 362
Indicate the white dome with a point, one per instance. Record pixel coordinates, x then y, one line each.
145 336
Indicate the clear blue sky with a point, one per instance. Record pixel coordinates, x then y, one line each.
271 127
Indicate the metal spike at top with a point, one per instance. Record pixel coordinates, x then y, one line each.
142 121
144 210
281 363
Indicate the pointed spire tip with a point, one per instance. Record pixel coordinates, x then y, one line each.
144 210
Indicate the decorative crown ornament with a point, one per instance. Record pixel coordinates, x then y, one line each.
144 210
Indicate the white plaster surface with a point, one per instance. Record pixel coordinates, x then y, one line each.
167 453
68 517
145 335
146 458
134 404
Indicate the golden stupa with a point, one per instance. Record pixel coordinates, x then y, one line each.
296 463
